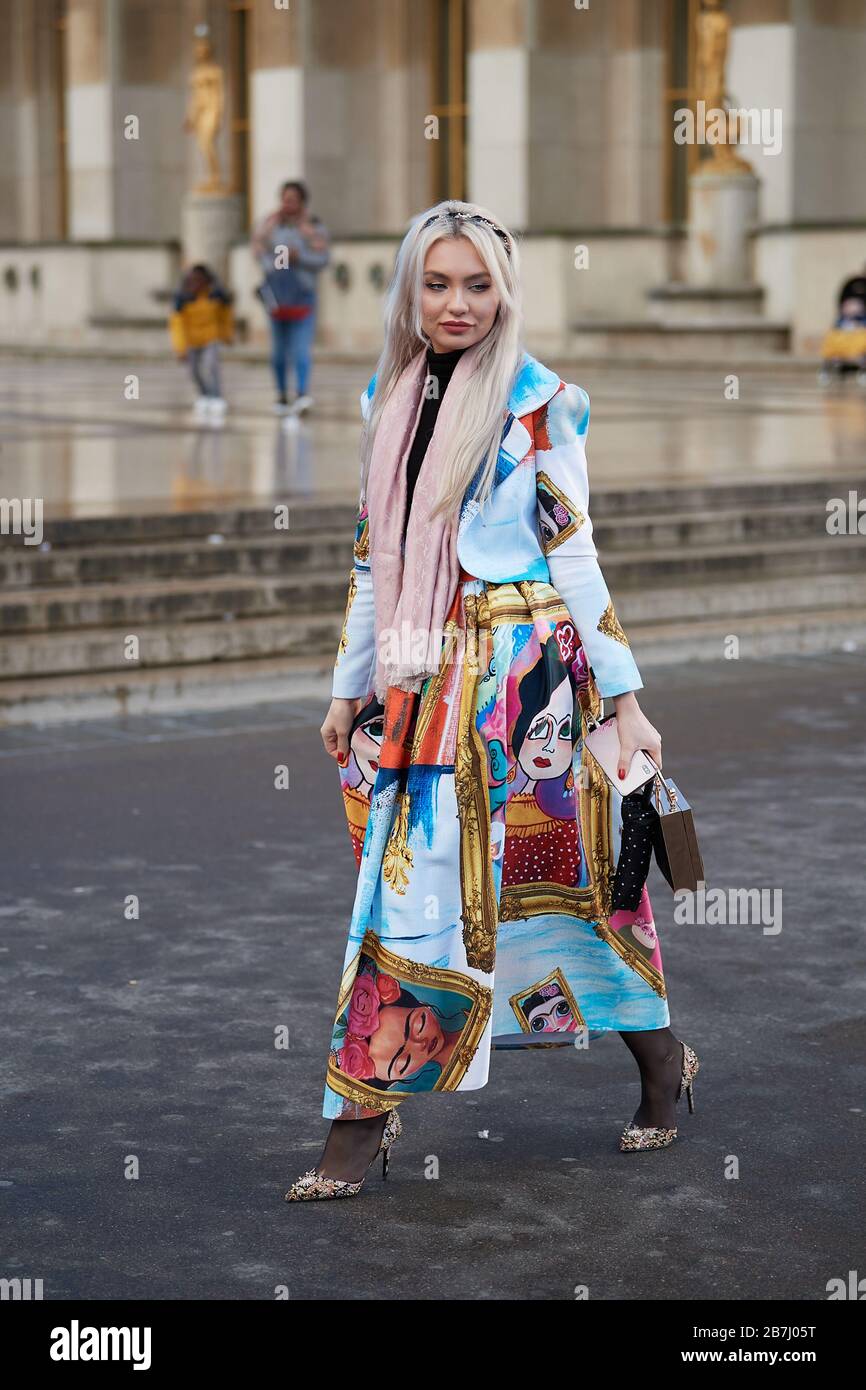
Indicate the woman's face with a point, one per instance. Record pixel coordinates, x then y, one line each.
552 1016
367 744
458 301
546 750
405 1041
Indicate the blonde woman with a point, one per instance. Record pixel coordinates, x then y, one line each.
479 631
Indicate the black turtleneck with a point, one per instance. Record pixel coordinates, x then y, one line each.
441 365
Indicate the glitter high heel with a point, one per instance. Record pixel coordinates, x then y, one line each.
654 1136
314 1186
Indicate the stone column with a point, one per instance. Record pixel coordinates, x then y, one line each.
125 97
498 144
211 223
723 211
276 102
151 62
720 285
90 48
31 189
565 112
368 101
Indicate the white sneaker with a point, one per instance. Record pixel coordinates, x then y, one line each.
200 409
300 404
217 407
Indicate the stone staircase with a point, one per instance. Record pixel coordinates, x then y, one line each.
228 611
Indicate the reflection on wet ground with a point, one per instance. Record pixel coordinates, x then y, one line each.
72 438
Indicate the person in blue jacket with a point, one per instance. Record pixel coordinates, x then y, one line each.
292 247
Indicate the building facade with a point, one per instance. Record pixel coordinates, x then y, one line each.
556 114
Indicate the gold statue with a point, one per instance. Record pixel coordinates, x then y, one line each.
713 33
204 113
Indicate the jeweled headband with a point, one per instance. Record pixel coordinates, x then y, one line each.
471 217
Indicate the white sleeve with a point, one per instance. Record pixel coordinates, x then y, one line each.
562 488
355 666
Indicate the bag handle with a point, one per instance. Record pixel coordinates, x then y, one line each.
660 781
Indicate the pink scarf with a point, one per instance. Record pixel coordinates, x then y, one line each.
412 593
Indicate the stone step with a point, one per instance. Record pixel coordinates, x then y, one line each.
305 514
284 633
764 600
230 684
712 526
703 339
337 514
633 548
165 689
187 599
759 635
80 650
128 326
701 533
175 561
732 561
645 577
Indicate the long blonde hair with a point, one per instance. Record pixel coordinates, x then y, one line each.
475 440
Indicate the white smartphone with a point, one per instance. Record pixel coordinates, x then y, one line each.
603 744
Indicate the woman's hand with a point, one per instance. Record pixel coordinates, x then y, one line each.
335 730
635 731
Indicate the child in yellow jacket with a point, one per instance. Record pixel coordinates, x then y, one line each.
202 319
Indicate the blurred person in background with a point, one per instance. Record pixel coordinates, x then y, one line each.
292 247
202 319
844 345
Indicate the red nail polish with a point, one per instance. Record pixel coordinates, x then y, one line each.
620 772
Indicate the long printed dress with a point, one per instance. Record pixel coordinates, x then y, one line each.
486 841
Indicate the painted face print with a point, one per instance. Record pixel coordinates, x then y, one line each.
405 1041
552 1015
558 516
366 743
550 1007
547 748
551 521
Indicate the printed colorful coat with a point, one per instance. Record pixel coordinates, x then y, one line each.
486 838
535 526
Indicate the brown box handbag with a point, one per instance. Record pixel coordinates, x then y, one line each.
678 833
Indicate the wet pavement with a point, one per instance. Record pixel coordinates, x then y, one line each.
150 1124
73 437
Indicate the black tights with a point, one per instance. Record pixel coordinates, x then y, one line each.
660 1058
352 1145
